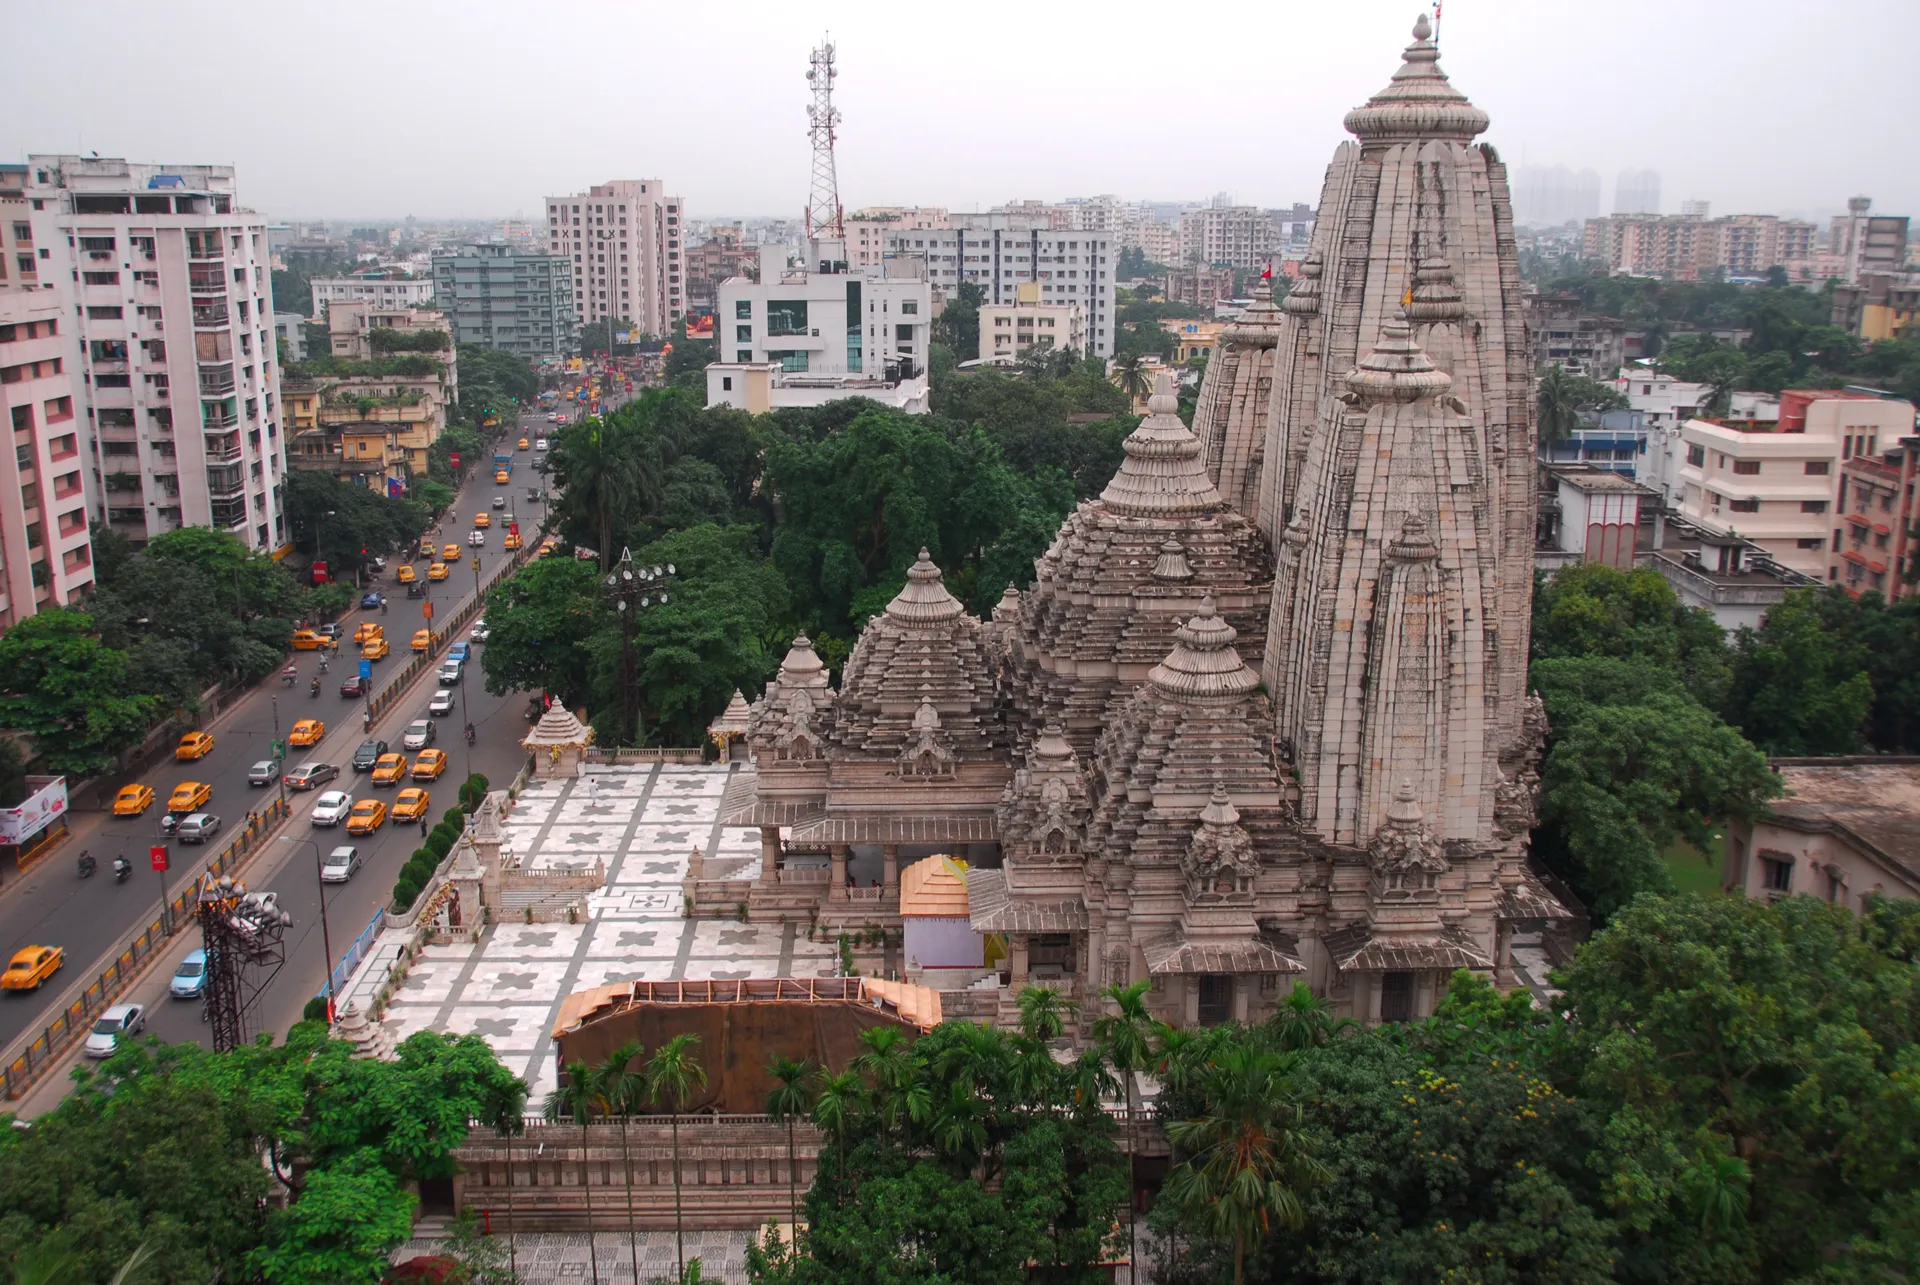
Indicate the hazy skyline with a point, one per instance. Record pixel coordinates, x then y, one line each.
435 109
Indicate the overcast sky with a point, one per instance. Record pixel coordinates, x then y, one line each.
383 108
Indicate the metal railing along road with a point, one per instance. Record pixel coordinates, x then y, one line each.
35 1052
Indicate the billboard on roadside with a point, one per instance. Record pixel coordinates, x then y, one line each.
43 807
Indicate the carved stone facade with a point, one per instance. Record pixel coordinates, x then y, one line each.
1353 813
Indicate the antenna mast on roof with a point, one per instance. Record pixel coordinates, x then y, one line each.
823 202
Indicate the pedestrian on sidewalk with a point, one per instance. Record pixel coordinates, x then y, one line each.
423 825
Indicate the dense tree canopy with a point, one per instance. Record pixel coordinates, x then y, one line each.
1828 673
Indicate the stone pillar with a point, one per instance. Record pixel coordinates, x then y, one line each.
1503 955
837 873
1189 1000
769 854
1243 984
890 870
1017 959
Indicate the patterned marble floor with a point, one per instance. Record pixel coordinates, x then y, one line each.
644 823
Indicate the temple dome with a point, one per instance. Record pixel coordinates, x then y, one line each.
1397 369
1162 474
1419 102
1203 664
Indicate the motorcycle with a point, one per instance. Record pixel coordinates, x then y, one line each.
288 674
314 689
469 733
121 869
323 664
86 866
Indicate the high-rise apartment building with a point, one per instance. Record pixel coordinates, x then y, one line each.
1239 236
867 229
1682 247
497 296
46 555
1547 196
1868 242
997 252
171 355
1637 192
625 240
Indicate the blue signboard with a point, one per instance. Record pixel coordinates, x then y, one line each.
366 670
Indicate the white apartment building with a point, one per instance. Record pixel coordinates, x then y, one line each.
46 555
867 229
626 240
171 348
805 319
380 290
1009 332
1159 242
1773 488
998 252
1240 236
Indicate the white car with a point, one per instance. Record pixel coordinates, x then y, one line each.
340 864
540 444
121 1019
499 501
476 537
442 703
479 633
332 808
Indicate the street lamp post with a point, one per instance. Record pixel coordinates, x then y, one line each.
326 938
634 589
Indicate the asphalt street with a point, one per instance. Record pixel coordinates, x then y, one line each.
51 905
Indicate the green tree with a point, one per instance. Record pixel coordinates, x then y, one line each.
62 685
1125 1038
542 621
1802 682
1597 610
1560 398
673 1074
350 1217
958 325
789 1101
619 1090
575 1100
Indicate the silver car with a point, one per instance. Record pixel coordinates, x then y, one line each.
265 772
120 1020
442 703
419 734
198 828
340 865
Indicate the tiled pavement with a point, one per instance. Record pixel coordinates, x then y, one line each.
644 823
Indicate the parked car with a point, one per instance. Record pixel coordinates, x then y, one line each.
340 865
198 828
368 754
442 703
355 687
311 776
265 772
419 734
331 632
332 808
120 1021
190 979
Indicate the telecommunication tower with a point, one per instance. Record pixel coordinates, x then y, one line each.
243 935
823 202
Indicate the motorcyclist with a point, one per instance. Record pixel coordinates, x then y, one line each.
323 663
120 866
469 733
314 687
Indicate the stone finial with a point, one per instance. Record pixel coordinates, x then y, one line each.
1404 811
1051 747
802 666
1418 102
1162 474
1415 542
1220 809
1435 295
1404 850
1007 610
1258 326
1203 664
466 861
1171 566
1303 300
731 721
924 599
1397 369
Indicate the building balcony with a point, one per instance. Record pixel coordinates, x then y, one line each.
216 381
210 316
203 282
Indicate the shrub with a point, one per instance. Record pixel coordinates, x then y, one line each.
439 845
316 1010
405 892
456 818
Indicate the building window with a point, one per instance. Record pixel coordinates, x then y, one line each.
1697 456
1216 999
743 334
743 355
1746 468
726 383
1396 997
786 316
1776 875
1814 543
910 307
1818 468
1813 506
743 309
1744 506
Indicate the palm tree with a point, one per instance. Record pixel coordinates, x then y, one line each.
1124 1036
574 1101
1133 378
1044 1012
833 1110
898 1090
599 478
672 1076
617 1090
1249 1160
789 1101
1089 1079
1304 1020
1556 397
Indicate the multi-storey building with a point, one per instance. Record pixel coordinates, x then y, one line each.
1238 236
825 319
46 555
1879 305
19 264
997 252
723 254
625 240
171 347
1683 247
1867 242
867 229
383 287
375 429
499 297
1568 336
1158 242
1637 192
1875 509
1011 331
1201 285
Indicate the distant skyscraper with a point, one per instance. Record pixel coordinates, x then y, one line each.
1637 192
1546 196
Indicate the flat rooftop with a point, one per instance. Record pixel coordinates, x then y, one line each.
1873 800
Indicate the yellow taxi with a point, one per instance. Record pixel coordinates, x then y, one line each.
483 519
450 553
307 731
546 548
189 796
438 571
429 765
194 745
426 546
422 639
407 575
367 816
376 649
389 769
132 800
308 640
512 541
411 805
368 630
31 967
524 444
502 477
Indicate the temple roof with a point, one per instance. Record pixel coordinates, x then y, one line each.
558 727
1203 664
1175 953
1162 474
933 888
731 721
1419 102
1355 949
1397 369
992 909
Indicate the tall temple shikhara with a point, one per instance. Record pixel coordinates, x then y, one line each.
1262 716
